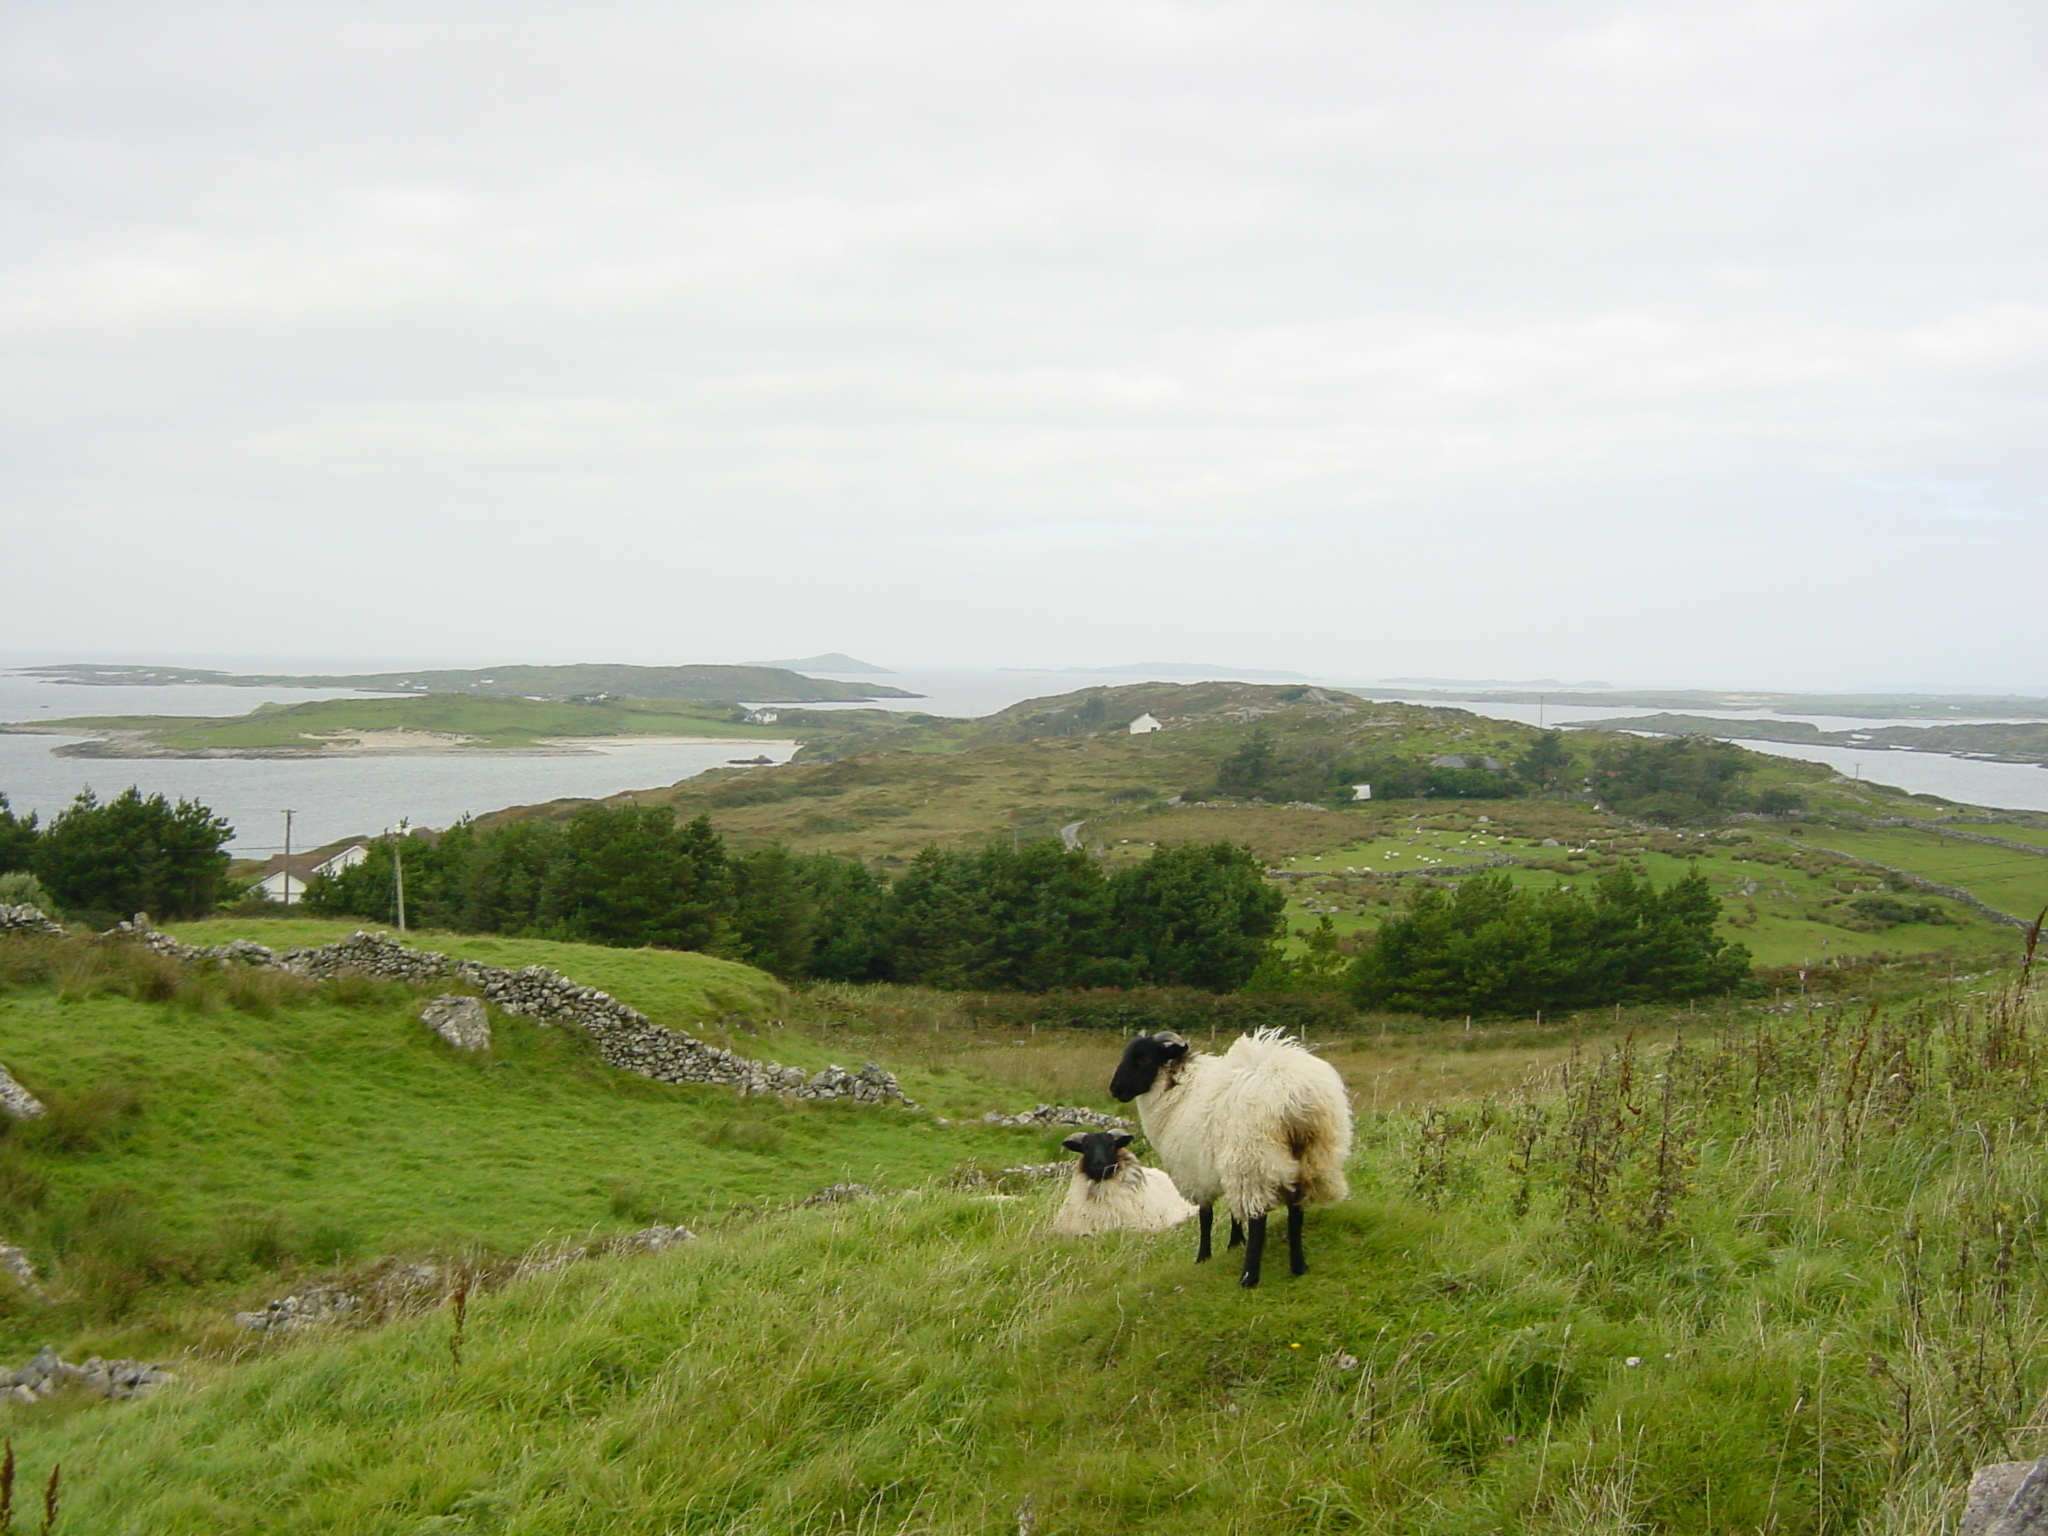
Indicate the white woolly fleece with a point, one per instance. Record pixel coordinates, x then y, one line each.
1133 1199
1246 1127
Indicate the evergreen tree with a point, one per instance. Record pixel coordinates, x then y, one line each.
17 838
849 935
134 854
628 875
1246 772
1200 915
774 916
1490 949
1688 778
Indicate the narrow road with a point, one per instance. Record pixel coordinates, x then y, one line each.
1070 836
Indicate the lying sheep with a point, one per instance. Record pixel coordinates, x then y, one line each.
1112 1191
1264 1124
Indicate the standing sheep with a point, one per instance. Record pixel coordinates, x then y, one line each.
1264 1124
1112 1191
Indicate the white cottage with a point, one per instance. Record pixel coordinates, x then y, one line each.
282 882
1144 725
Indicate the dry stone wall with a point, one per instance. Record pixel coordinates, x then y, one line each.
625 1037
22 919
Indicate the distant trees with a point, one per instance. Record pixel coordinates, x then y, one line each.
131 854
1490 948
1686 778
1545 763
1025 918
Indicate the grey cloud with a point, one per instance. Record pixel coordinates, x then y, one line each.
1403 337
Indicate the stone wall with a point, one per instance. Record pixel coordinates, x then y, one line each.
625 1037
15 919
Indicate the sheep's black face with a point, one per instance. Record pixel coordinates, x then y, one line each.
1099 1151
1143 1059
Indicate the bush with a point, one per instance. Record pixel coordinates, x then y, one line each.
1492 950
19 888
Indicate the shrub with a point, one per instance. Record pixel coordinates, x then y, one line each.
1490 949
19 888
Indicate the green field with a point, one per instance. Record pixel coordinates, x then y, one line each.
1783 1278
2004 878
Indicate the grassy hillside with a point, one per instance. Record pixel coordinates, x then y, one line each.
1783 895
1051 763
1782 1280
213 1133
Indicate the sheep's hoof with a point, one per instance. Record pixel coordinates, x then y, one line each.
1247 1281
1299 1269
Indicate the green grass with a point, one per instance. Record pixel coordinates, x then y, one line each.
2004 878
1789 1281
676 988
215 1127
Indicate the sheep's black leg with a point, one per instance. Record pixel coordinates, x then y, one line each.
1236 1233
1208 1220
1295 1261
1254 1250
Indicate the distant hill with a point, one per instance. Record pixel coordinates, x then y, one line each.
1203 671
731 685
1492 682
831 661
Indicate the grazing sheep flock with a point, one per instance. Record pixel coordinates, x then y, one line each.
1264 1124
1112 1191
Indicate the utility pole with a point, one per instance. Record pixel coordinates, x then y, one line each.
398 870
288 857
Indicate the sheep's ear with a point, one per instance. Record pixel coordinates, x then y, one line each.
1173 1046
1120 1139
1074 1143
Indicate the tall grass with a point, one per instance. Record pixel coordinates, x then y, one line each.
1781 1276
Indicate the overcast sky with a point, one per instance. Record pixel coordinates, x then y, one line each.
1695 343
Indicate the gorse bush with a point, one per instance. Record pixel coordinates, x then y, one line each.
1490 948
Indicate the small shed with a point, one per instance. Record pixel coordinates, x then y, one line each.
1144 725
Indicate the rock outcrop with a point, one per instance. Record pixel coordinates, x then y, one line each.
460 1021
16 1102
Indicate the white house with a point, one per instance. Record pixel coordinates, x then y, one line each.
1361 791
1144 725
282 883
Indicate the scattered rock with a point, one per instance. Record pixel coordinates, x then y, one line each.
307 1309
458 1020
46 1374
1038 1170
16 1102
15 1261
1058 1114
832 1194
